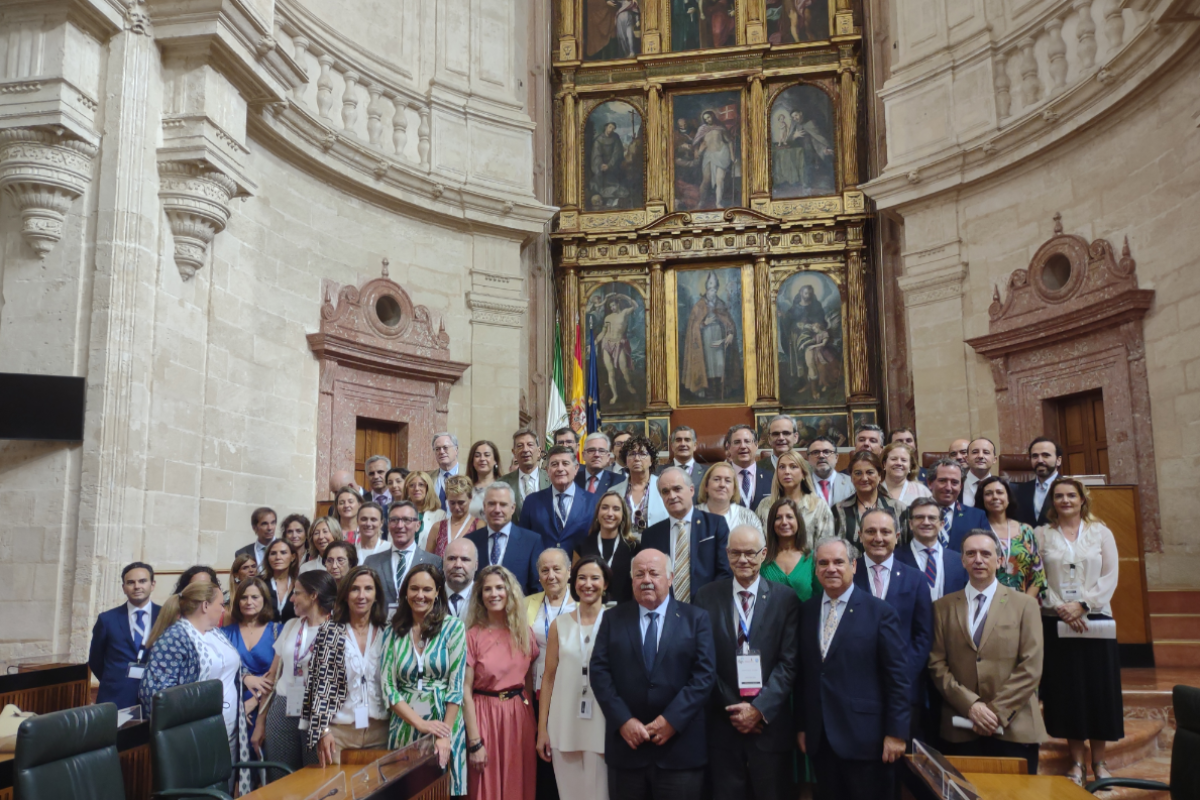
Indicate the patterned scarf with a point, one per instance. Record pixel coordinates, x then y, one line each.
202 653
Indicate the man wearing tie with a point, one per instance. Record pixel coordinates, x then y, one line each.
528 477
503 543
987 661
462 562
117 655
596 477
1045 457
445 452
562 514
393 564
754 482
941 568
832 486
263 522
945 483
694 540
652 671
756 632
852 696
683 453
782 436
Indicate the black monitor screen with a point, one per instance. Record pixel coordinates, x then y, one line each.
46 407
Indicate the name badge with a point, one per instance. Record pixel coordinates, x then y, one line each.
749 673
136 671
295 699
585 708
360 717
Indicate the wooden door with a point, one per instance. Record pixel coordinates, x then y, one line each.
1082 434
374 437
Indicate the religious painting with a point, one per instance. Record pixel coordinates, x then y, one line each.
864 417
709 313
611 29
614 151
706 150
793 21
613 427
703 24
762 421
658 430
616 315
831 425
808 309
802 143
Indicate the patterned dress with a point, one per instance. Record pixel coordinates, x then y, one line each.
1023 567
445 668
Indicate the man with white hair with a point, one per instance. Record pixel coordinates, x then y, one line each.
596 477
377 469
694 540
445 452
500 542
756 631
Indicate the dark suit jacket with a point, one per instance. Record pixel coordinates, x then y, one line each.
382 564
289 610
954 576
908 593
1023 511
859 693
708 534
762 483
774 633
520 555
513 479
698 468
966 519
677 688
621 588
111 654
539 515
248 549
606 480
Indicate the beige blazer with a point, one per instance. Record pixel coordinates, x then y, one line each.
1003 672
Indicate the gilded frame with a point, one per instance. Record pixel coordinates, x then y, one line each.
744 143
836 270
626 217
783 207
739 29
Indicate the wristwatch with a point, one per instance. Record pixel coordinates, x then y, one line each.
1086 608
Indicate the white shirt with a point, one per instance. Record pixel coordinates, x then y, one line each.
225 666
442 475
687 524
1039 492
973 620
885 574
260 552
297 634
686 467
737 602
939 584
644 619
507 531
461 613
362 678
381 546
569 494
132 610
527 484
752 469
410 556
969 487
829 605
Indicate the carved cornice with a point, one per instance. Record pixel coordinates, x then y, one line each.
933 286
495 311
44 172
196 201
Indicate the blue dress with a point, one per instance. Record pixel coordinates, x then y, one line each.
256 660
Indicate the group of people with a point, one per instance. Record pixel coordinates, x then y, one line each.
620 628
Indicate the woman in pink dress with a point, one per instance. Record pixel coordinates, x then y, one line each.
501 730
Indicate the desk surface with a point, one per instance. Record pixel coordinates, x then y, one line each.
1026 787
303 783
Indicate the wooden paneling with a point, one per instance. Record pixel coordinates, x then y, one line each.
135 769
1084 438
992 766
1026 787
1117 507
374 437
35 690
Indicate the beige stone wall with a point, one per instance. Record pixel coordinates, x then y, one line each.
1125 165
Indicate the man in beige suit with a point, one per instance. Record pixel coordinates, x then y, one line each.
987 661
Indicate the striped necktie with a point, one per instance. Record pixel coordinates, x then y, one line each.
944 531
931 566
683 563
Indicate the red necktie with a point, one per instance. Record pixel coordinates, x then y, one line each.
592 485
825 490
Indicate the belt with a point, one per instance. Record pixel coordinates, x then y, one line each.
504 694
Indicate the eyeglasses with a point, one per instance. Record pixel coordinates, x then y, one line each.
445 448
749 555
637 454
822 453
925 517
338 562
404 520
595 451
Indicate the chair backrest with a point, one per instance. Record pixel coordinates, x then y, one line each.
189 747
1185 752
1016 467
71 753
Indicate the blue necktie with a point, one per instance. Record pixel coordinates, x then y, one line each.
495 559
442 489
139 629
561 520
931 566
650 643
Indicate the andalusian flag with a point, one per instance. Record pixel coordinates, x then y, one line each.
556 410
578 398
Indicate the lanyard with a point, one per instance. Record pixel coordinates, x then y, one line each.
744 620
600 549
585 651
419 655
546 612
298 656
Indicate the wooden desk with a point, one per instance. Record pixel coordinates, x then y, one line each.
303 783
1026 787
46 688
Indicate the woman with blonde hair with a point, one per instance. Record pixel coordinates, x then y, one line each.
322 533
900 473
483 468
792 480
346 503
611 538
1081 677
719 494
418 490
501 732
460 522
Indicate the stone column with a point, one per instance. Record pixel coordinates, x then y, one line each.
498 305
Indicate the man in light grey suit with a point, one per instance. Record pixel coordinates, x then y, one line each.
832 486
393 565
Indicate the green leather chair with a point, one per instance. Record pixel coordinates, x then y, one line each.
70 753
189 749
1185 753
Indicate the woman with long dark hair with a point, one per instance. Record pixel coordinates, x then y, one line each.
280 577
611 538
483 468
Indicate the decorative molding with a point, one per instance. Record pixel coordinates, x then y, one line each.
196 201
495 311
933 286
44 172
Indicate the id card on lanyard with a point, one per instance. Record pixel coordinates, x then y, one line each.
586 702
749 662
1072 590
361 712
295 692
137 669
422 701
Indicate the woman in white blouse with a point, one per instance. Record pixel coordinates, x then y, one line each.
719 495
1081 677
793 482
900 473
554 568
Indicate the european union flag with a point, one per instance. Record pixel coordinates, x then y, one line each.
593 386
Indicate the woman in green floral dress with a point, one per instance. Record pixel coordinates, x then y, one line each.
1020 562
789 557
423 666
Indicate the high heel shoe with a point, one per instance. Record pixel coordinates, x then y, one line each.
1100 765
1081 777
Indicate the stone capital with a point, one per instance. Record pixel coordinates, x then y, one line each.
196 199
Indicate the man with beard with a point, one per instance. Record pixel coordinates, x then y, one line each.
608 159
462 562
1046 457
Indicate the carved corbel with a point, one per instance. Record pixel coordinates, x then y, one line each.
44 172
196 200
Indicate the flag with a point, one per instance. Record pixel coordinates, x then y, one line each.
578 401
593 386
556 409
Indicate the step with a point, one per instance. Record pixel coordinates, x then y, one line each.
1140 742
1175 627
1176 653
1173 601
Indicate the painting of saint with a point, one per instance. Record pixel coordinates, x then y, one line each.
809 313
703 24
612 29
831 426
802 144
709 304
706 150
792 21
616 313
613 156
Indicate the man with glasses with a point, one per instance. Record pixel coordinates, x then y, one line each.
445 452
393 565
595 477
832 486
945 575
756 631
617 464
945 482
782 435
528 477
683 453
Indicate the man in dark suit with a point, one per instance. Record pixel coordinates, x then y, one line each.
595 476
117 655
652 671
782 435
852 696
754 482
683 453
377 468
945 483
562 514
1046 457
394 564
693 540
263 521
756 624
501 542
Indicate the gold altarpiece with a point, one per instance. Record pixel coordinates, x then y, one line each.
711 233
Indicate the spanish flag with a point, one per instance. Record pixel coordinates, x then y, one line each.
578 398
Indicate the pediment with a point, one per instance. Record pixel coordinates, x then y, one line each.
688 219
